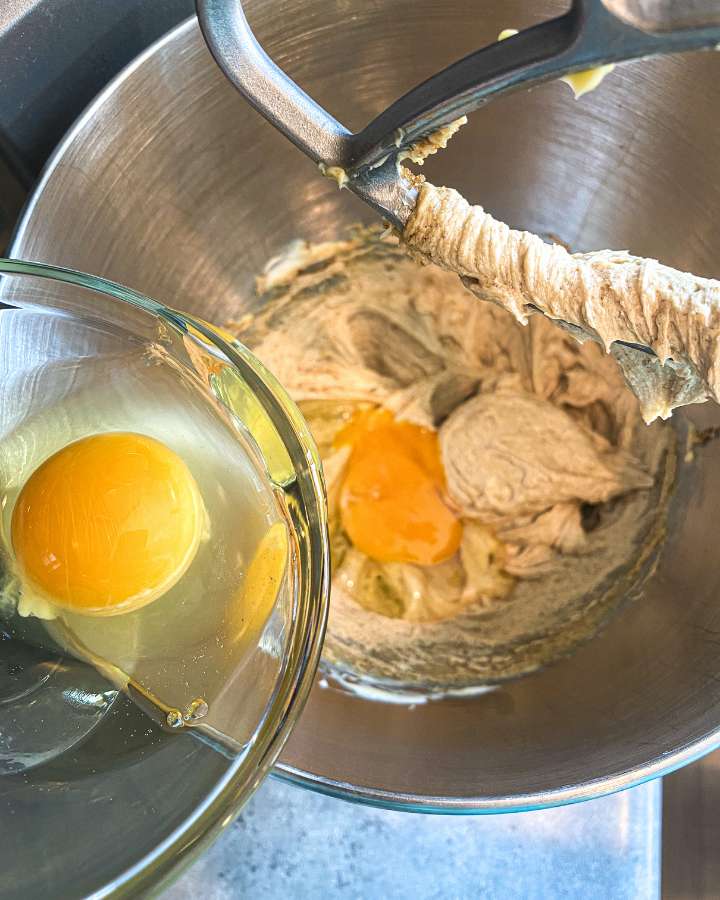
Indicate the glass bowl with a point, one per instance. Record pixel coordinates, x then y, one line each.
101 799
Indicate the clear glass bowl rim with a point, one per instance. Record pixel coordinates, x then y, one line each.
224 802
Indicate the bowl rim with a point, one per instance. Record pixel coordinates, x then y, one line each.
308 622
591 789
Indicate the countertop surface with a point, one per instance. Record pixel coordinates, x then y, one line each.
289 842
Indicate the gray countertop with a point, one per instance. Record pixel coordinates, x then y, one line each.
289 842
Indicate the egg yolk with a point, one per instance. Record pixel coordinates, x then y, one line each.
391 498
107 524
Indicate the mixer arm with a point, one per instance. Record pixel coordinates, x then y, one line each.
588 35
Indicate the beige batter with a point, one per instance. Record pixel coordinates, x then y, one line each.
607 296
560 486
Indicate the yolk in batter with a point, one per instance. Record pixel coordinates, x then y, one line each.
391 499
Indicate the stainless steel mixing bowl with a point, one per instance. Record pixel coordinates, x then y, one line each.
171 183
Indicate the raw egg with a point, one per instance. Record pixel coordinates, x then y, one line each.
392 497
107 524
